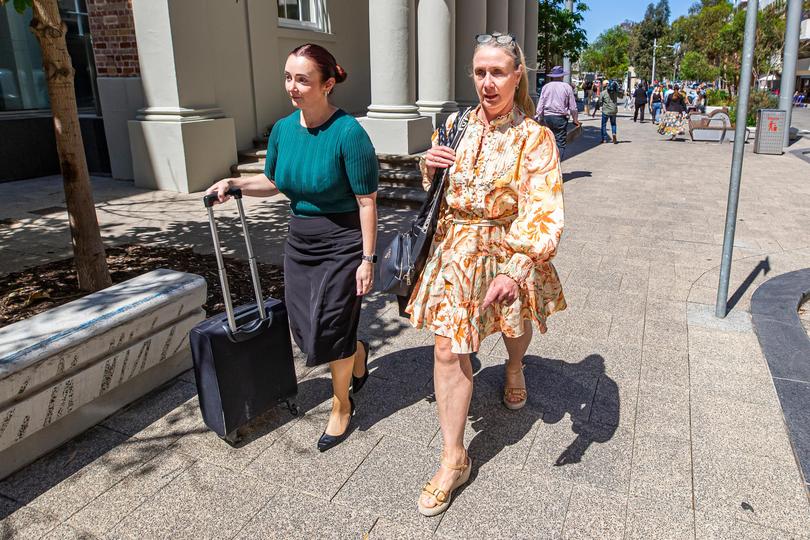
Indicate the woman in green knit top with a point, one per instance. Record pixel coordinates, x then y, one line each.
323 161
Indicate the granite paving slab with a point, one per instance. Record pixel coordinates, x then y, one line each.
203 501
595 513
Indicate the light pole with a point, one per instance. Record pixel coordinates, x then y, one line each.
788 83
569 6
655 46
721 306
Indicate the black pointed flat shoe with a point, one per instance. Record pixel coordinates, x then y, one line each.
328 441
358 382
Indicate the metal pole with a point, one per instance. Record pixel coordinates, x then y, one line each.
788 83
655 45
569 5
737 158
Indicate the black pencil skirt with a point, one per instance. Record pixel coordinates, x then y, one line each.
321 257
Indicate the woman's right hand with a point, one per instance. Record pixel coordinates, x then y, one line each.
220 189
439 157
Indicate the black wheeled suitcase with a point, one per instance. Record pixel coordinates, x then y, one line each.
243 359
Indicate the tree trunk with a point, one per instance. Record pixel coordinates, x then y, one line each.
88 249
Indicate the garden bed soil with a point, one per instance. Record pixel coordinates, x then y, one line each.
34 290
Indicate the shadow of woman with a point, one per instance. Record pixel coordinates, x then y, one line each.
403 380
581 390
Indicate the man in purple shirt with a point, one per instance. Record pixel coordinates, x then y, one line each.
556 102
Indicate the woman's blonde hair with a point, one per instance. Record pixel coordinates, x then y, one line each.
522 98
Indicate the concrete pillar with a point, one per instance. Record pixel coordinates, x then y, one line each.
436 48
793 24
181 141
498 16
530 44
517 20
470 21
393 121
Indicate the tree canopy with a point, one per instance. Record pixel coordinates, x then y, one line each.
559 33
608 54
705 44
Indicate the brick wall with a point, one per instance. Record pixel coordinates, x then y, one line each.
113 30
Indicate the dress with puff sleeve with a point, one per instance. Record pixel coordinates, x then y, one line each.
502 214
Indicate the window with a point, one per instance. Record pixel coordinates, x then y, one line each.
22 79
307 14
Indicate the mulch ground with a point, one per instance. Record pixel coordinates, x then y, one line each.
34 290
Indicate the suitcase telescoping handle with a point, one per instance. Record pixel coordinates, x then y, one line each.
208 201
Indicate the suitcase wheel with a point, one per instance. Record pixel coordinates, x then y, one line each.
292 407
233 438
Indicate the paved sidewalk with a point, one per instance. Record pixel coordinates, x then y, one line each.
647 417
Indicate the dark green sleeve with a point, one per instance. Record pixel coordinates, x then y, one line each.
272 153
360 160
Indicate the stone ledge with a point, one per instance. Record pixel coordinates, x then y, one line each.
786 346
66 369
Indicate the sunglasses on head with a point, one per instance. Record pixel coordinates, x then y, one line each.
502 39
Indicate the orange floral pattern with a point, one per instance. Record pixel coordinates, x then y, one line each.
502 214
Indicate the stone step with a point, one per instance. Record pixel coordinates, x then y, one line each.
401 197
247 169
253 155
397 161
401 178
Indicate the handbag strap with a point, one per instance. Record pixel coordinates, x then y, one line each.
455 136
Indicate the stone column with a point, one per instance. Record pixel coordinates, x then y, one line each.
436 46
181 141
530 44
393 121
517 20
470 21
498 16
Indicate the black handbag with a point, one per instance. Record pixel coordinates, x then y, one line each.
404 258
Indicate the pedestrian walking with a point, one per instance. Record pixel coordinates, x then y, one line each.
610 108
557 101
656 104
489 268
323 161
597 92
674 106
640 96
587 88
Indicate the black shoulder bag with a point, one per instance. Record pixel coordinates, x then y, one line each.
404 258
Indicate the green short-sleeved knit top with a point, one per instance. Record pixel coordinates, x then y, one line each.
321 169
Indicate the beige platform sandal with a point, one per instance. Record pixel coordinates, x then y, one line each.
515 398
442 497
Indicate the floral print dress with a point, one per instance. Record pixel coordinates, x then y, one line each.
502 214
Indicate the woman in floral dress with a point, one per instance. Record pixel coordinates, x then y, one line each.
490 265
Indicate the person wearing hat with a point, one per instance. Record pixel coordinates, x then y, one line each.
556 102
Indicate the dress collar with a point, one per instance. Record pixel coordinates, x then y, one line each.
498 121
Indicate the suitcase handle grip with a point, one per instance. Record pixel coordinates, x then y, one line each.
211 198
250 329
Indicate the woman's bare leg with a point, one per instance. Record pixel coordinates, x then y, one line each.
453 384
341 407
516 348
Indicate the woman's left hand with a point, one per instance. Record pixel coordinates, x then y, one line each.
502 290
365 278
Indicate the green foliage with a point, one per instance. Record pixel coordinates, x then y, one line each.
608 54
758 99
559 33
696 67
718 98
19 5
654 26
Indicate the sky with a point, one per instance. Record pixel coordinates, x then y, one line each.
606 13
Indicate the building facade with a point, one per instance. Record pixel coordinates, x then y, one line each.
211 74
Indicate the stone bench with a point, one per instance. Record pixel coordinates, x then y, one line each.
67 369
